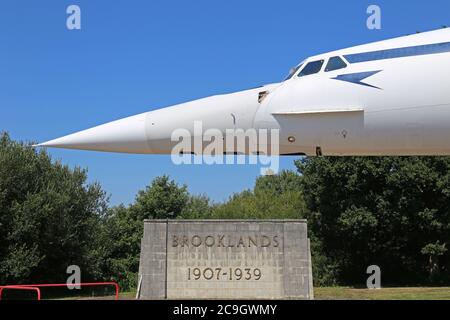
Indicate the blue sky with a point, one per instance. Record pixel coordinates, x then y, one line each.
135 56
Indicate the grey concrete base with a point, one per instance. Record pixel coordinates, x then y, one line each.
225 259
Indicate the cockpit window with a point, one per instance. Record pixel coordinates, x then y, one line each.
293 71
311 68
335 63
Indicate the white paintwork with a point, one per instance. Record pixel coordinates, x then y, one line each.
410 115
342 110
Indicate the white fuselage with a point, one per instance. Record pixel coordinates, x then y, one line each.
408 114
391 98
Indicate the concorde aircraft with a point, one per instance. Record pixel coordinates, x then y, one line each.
385 98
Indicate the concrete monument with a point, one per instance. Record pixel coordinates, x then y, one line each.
225 259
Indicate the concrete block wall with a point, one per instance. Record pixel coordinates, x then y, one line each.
225 259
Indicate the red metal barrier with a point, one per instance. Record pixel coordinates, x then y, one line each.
47 285
38 291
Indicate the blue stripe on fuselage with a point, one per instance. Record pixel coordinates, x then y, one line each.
357 78
399 52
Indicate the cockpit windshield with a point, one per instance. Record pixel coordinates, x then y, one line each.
293 71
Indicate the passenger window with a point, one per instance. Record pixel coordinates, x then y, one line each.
335 63
311 68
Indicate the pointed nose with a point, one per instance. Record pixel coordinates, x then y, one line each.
152 132
126 135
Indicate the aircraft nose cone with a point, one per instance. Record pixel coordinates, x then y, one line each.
127 135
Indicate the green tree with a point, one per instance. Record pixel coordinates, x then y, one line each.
49 216
434 251
118 246
284 182
393 212
198 207
122 228
273 197
163 199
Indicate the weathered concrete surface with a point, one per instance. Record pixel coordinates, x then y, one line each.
225 259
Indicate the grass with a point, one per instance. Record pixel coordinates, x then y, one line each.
129 295
346 293
415 293
341 293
